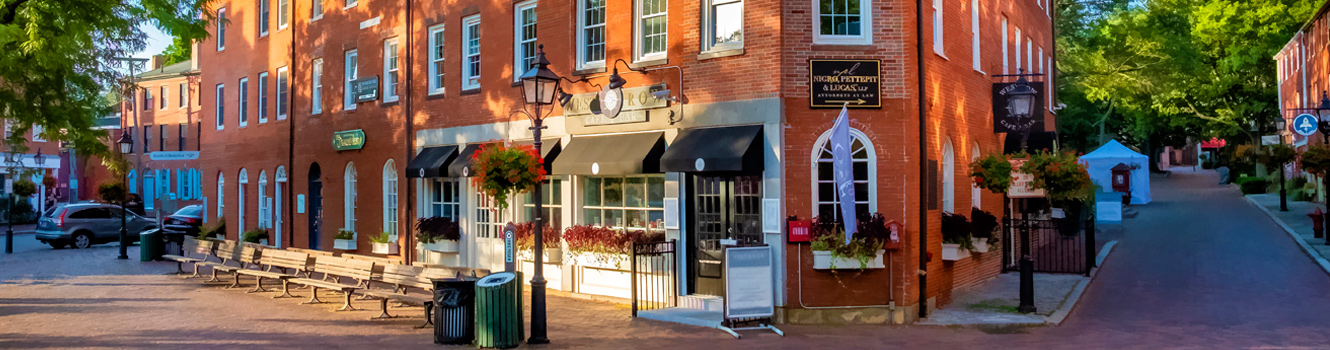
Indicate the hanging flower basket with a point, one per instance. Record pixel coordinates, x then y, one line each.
501 170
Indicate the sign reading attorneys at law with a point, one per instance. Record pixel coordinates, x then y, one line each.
1005 122
849 83
349 140
366 89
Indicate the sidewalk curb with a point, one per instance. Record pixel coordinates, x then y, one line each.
1072 299
1306 247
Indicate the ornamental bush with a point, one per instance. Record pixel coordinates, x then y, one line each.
24 188
1277 155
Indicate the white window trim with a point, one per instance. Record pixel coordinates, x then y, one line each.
240 201
37 131
709 28
1006 65
242 104
467 74
221 29
939 47
976 56
263 97
184 95
1018 49
219 113
262 199
316 91
976 195
350 4
221 193
282 102
435 61
872 166
348 79
283 21
865 36
638 55
391 211
314 16
264 6
948 177
349 196
390 93
1029 54
1048 88
582 62
517 37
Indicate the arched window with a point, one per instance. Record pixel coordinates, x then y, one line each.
827 202
263 199
349 197
948 177
221 193
976 197
390 198
240 200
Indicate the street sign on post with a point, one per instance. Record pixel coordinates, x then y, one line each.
1304 124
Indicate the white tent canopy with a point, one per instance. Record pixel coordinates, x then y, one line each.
1099 163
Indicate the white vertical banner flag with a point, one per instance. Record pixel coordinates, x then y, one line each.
844 169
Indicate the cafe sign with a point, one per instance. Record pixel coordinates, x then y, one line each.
1005 122
849 83
628 100
349 140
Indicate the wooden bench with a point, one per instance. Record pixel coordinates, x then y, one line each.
379 263
240 256
277 262
200 249
312 253
402 278
336 266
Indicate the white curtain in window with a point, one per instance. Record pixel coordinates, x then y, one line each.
948 177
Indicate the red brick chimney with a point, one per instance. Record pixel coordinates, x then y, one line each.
157 61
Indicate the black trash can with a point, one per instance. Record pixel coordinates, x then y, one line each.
174 242
454 311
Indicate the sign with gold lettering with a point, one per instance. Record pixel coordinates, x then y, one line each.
348 140
633 99
849 83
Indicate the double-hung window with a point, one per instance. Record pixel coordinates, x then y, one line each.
263 97
724 25
161 100
436 39
390 73
316 95
846 22
220 114
350 76
974 35
283 13
1017 40
471 52
147 137
221 29
315 10
242 100
37 131
937 29
1029 54
350 4
283 86
263 17
161 139
591 33
1005 57
524 38
652 29
184 94
184 130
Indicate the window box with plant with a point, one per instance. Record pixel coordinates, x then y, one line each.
604 247
956 243
259 236
345 240
983 230
526 242
384 243
863 251
439 234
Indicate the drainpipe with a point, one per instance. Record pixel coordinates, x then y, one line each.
923 162
408 251
291 139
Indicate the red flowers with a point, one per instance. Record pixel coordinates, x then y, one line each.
500 170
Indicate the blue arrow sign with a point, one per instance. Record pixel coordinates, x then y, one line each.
1305 124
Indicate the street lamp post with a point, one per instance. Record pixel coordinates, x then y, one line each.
539 86
1020 104
126 144
9 207
1281 126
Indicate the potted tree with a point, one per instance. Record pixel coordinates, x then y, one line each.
345 240
383 244
983 227
956 243
439 234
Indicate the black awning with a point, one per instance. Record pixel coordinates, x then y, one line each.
1038 141
735 148
431 161
461 167
622 154
549 150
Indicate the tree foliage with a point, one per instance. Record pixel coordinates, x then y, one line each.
57 57
179 51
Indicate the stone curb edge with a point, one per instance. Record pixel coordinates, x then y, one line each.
1072 299
1306 248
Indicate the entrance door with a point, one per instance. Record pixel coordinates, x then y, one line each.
487 242
726 210
277 211
315 206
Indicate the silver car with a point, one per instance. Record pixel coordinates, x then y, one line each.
84 224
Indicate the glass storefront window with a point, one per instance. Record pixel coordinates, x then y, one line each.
552 191
444 198
632 202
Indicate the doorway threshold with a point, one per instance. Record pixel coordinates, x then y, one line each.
692 317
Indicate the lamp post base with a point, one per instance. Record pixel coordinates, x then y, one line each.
1027 286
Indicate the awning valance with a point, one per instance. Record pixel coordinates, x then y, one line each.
621 154
461 167
431 161
735 148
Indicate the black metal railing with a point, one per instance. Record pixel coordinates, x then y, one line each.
652 271
1055 246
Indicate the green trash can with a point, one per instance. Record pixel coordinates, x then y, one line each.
499 311
150 245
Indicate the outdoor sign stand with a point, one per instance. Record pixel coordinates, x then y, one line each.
749 299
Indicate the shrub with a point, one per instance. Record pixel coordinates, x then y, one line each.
211 231
24 188
433 229
255 235
1253 185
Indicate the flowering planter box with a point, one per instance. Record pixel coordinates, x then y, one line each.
980 244
442 246
953 252
552 255
384 248
344 244
822 260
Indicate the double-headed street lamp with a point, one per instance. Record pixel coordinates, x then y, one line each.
126 144
539 86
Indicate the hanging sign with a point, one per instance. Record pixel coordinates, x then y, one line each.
349 140
173 155
1020 182
848 83
1005 122
1304 124
366 89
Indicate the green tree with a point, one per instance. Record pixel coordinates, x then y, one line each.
179 51
58 56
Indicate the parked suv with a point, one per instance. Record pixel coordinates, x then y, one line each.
84 224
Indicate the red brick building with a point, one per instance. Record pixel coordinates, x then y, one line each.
437 79
164 116
1301 68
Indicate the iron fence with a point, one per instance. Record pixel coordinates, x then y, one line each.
652 273
1055 246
